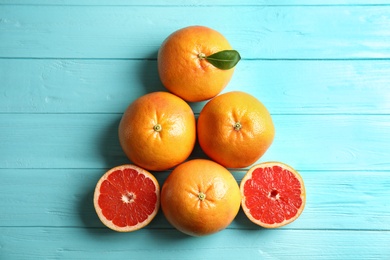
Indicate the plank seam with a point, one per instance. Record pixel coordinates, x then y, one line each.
200 5
155 59
169 228
196 114
234 170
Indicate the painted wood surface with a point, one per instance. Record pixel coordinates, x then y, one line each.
136 32
68 70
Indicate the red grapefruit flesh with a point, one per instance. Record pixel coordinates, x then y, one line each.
127 198
273 194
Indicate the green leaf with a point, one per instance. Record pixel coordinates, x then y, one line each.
224 60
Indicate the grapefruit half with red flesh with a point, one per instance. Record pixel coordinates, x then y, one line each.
273 194
127 198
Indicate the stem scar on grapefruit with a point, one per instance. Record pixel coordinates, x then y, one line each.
127 198
200 197
235 129
196 63
157 131
273 194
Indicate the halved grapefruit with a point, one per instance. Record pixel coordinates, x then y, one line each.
273 194
127 198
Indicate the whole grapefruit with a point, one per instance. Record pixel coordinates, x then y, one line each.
196 63
235 129
200 197
157 131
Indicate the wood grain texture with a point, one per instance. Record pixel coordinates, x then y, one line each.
43 242
109 86
136 32
196 2
68 69
63 198
308 142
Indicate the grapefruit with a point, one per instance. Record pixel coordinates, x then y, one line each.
196 63
126 198
157 131
273 194
200 197
235 129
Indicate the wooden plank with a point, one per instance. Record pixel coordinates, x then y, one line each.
260 32
194 2
63 198
109 86
77 243
309 142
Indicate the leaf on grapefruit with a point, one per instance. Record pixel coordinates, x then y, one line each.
273 194
196 63
127 198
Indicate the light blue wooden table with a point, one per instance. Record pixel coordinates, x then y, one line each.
68 70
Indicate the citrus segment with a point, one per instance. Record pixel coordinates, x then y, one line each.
157 131
200 197
127 198
184 63
273 194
